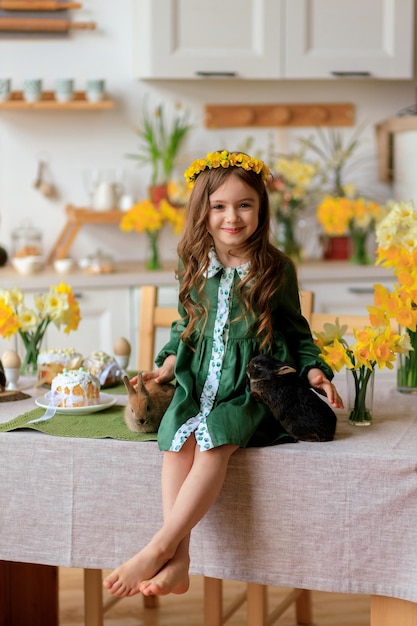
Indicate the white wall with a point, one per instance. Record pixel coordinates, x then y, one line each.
72 142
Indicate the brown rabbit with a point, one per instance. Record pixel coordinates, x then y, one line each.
147 405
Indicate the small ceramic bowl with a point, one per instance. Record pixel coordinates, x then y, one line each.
27 265
63 266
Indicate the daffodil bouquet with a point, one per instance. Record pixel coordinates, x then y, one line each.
373 346
58 305
340 215
291 190
150 218
396 237
291 186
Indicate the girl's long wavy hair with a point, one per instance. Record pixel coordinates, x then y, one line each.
257 288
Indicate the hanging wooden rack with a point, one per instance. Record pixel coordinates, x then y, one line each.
258 115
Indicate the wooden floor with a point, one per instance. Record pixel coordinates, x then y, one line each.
329 609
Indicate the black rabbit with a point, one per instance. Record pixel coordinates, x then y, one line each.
301 412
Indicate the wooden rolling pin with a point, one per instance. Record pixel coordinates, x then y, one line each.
37 5
52 25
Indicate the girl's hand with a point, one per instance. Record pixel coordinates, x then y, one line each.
320 383
163 374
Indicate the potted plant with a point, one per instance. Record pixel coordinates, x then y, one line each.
160 138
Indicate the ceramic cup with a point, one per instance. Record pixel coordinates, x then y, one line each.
126 202
95 89
32 90
64 89
5 89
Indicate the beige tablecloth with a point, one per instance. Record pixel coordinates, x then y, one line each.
338 516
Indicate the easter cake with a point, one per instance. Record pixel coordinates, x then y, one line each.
72 388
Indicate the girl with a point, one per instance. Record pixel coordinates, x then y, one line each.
238 297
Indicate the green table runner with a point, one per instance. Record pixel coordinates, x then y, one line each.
107 423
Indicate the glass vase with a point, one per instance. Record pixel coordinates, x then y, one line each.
32 342
359 254
407 367
286 237
360 394
153 261
29 365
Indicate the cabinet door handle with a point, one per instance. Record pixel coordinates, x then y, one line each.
216 74
78 295
350 74
360 290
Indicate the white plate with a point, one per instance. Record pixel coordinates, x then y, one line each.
105 401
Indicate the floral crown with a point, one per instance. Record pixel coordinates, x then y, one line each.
225 159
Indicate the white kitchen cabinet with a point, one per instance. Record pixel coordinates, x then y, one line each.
273 39
332 38
105 316
198 39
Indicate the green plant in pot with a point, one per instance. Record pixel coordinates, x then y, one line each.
161 135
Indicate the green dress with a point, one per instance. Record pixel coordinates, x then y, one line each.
212 398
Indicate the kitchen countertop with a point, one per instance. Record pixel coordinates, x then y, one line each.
130 274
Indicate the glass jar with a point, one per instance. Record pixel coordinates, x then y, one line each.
26 241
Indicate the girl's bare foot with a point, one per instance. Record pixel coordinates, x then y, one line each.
127 578
173 578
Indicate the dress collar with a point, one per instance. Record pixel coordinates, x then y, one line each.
215 266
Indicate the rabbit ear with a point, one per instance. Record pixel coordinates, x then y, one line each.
141 386
129 387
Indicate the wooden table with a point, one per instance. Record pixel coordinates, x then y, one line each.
338 516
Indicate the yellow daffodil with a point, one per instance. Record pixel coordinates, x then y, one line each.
9 322
148 217
374 346
336 356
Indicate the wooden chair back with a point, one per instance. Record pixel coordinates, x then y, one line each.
318 320
154 316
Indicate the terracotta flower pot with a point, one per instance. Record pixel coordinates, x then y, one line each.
158 193
336 248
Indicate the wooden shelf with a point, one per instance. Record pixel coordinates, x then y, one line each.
47 101
76 219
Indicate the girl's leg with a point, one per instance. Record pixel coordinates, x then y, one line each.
175 468
197 493
173 577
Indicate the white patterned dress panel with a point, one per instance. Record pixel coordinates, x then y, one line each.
198 423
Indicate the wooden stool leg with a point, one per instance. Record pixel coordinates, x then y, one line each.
150 602
392 612
303 611
213 601
93 597
257 604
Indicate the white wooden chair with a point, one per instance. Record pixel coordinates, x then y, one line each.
152 316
